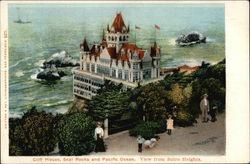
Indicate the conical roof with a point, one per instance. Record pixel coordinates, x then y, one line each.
118 23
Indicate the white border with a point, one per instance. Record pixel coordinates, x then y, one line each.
237 90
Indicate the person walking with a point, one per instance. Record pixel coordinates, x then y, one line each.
170 124
99 147
204 107
140 141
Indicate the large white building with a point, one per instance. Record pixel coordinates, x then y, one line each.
115 59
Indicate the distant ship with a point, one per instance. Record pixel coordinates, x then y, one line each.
21 21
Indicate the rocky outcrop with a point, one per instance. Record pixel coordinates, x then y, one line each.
50 74
78 105
61 59
191 38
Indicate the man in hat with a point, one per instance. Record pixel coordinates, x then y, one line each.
204 106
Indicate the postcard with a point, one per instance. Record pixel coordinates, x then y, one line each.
124 82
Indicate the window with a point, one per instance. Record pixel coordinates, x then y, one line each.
135 66
107 61
120 74
135 76
124 38
102 70
88 66
126 74
93 67
82 66
120 38
147 74
113 73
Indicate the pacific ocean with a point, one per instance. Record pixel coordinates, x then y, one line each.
57 27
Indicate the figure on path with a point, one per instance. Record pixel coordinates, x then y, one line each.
212 113
170 124
140 141
204 106
99 147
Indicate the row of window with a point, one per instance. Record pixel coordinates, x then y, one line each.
85 87
114 38
82 93
92 81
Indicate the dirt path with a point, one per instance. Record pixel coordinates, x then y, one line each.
200 139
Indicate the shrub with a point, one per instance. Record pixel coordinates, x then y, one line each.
147 129
33 134
76 133
184 119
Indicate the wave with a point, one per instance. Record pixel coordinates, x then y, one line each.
22 60
57 103
19 74
39 63
34 76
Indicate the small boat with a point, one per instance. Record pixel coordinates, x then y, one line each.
19 20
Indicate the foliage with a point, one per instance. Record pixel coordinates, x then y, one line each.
152 100
184 118
111 104
33 134
75 133
147 129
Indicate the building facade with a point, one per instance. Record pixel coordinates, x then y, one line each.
115 59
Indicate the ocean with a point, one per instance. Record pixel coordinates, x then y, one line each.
56 27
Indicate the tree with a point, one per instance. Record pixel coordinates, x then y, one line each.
33 134
75 133
111 104
152 101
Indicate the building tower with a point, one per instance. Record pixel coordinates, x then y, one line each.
84 54
156 56
118 33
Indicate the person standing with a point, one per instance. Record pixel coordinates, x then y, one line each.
212 113
170 124
140 140
99 147
204 106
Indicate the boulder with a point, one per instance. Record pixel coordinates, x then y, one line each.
61 59
50 74
191 38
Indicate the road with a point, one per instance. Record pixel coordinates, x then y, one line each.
200 139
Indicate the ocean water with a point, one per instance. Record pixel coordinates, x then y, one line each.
57 27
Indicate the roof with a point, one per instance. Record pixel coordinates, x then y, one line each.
85 45
166 70
188 68
95 50
154 50
118 23
126 47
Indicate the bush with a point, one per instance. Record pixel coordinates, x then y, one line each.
184 119
33 134
147 129
76 133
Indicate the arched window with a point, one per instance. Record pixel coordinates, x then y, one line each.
115 38
120 38
109 38
124 38
112 38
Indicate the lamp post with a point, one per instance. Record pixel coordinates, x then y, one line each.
106 131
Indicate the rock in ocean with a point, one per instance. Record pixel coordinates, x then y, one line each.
50 74
191 38
61 59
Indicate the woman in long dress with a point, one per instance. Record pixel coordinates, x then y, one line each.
99 138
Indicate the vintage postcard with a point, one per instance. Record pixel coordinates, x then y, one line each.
124 82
